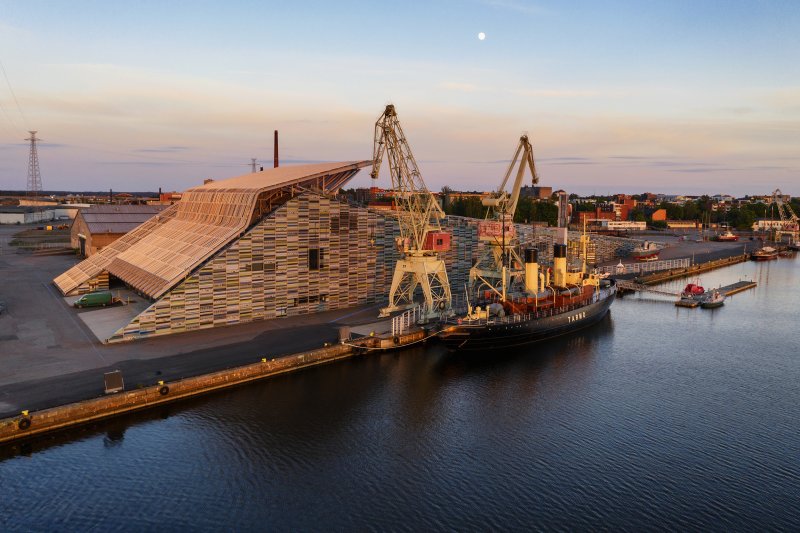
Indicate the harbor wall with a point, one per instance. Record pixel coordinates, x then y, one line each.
28 425
61 417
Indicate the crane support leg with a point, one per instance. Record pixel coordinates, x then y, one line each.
429 274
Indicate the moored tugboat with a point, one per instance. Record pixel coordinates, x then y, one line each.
767 253
728 236
553 302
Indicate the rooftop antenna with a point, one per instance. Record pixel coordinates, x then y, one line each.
34 176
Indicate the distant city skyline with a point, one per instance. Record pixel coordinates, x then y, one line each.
617 97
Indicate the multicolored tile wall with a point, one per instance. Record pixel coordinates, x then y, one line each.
270 271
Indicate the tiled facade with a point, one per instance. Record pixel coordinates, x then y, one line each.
312 254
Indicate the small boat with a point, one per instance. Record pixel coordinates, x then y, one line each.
647 251
712 299
727 237
692 291
794 246
767 253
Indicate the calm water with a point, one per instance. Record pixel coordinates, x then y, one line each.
660 418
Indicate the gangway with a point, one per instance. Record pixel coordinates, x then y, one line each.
633 286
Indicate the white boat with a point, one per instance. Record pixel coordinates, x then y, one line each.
712 299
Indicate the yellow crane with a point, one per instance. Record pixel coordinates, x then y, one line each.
419 216
499 264
790 224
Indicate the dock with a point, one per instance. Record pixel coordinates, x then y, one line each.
737 287
29 424
727 290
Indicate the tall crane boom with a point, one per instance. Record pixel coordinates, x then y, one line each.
419 218
500 201
420 211
500 264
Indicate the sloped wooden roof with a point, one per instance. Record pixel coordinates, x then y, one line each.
157 255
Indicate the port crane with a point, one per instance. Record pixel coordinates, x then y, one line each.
499 265
419 216
790 223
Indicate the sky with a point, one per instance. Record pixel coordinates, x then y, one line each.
678 97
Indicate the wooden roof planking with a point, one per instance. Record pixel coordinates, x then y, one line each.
161 252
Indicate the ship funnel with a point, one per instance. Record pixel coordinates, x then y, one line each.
532 270
560 265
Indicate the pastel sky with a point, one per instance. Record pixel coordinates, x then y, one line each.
617 96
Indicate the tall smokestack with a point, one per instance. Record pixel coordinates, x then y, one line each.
276 148
110 196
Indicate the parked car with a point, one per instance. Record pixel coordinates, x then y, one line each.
95 299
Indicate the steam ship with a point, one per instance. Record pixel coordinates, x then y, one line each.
648 251
555 301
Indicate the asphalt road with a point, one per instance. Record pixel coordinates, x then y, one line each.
49 357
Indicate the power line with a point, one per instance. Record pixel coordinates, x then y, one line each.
13 94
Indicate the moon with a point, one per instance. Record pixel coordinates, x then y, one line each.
481 36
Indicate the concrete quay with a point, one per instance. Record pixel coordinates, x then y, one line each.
28 424
698 268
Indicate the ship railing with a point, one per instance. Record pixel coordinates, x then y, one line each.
517 318
402 322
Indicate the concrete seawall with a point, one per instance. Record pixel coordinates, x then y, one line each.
56 418
47 420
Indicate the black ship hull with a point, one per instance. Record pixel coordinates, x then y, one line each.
514 330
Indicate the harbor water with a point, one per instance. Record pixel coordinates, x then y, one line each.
657 418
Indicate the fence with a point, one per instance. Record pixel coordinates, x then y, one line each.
651 266
402 322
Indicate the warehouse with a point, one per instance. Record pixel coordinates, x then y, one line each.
98 226
25 214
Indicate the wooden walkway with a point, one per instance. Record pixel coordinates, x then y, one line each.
739 286
627 285
727 290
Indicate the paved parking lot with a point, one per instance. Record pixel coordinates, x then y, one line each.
50 355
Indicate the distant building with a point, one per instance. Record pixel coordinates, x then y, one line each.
659 215
169 198
539 193
25 214
681 224
625 225
100 225
623 206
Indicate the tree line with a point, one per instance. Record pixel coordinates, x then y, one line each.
528 209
